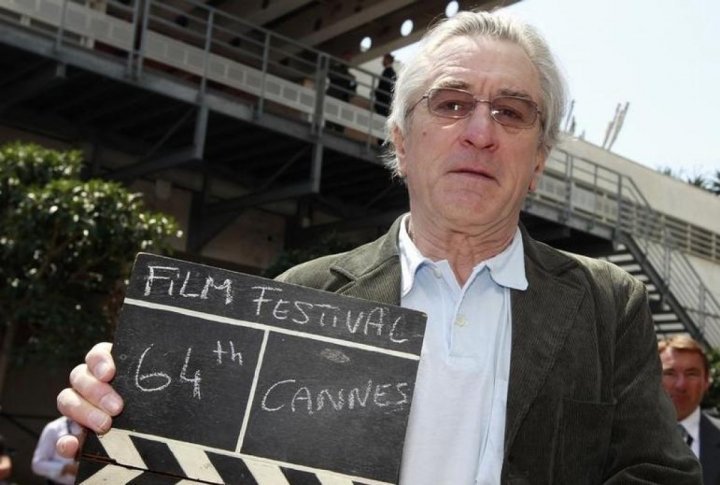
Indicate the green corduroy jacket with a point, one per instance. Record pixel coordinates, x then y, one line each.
585 401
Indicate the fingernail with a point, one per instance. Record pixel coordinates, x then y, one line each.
101 370
99 421
111 403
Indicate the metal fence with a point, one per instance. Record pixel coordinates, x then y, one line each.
212 50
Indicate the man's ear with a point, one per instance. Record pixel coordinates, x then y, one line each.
540 160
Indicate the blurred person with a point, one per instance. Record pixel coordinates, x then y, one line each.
383 92
342 85
5 462
46 461
342 82
538 366
686 378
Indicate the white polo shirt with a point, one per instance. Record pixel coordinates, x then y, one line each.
456 428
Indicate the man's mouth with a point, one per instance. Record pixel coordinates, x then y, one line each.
474 172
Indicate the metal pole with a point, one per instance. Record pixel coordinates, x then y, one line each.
206 60
618 224
201 123
265 59
569 166
61 27
143 37
133 41
320 77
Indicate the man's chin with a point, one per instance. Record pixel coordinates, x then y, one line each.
683 412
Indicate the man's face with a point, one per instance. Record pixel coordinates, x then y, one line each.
472 174
684 379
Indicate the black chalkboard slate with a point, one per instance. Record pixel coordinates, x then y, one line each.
231 378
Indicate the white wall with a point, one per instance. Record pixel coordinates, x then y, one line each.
664 193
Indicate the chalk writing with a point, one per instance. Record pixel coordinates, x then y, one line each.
375 321
276 303
289 394
157 381
169 274
140 379
234 356
196 377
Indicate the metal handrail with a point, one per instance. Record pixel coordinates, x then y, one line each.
635 217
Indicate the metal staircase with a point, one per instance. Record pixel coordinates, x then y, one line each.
670 314
627 231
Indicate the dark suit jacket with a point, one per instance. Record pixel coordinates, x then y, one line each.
710 449
585 403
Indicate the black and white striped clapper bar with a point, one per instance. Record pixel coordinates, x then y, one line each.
231 378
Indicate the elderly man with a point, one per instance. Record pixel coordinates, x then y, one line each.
538 366
686 378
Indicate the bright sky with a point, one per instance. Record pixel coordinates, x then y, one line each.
661 56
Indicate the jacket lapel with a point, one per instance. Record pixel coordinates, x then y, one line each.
542 316
373 273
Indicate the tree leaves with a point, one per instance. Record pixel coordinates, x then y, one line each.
66 246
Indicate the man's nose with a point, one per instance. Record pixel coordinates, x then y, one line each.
481 129
680 382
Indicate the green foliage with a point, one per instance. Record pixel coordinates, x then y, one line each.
712 396
328 244
698 181
66 247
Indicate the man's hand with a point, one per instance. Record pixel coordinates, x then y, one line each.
90 401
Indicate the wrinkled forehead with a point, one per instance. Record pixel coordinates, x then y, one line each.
483 66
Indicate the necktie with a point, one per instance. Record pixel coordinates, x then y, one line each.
686 436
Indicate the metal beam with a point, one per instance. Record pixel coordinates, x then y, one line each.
141 169
255 199
316 26
41 81
259 12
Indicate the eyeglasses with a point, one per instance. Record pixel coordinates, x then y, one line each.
512 111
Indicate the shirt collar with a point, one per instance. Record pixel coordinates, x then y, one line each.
410 257
506 269
692 422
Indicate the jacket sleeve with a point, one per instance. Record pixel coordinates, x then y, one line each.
645 445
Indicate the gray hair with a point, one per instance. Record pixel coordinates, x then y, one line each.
412 81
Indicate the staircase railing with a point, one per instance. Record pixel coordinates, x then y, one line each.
212 51
601 196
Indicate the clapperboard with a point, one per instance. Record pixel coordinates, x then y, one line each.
231 378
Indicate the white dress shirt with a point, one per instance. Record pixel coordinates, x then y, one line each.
46 462
692 426
456 428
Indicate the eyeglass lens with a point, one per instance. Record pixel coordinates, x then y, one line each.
507 110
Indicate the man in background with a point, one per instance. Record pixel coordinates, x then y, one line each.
341 84
686 378
46 461
383 93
